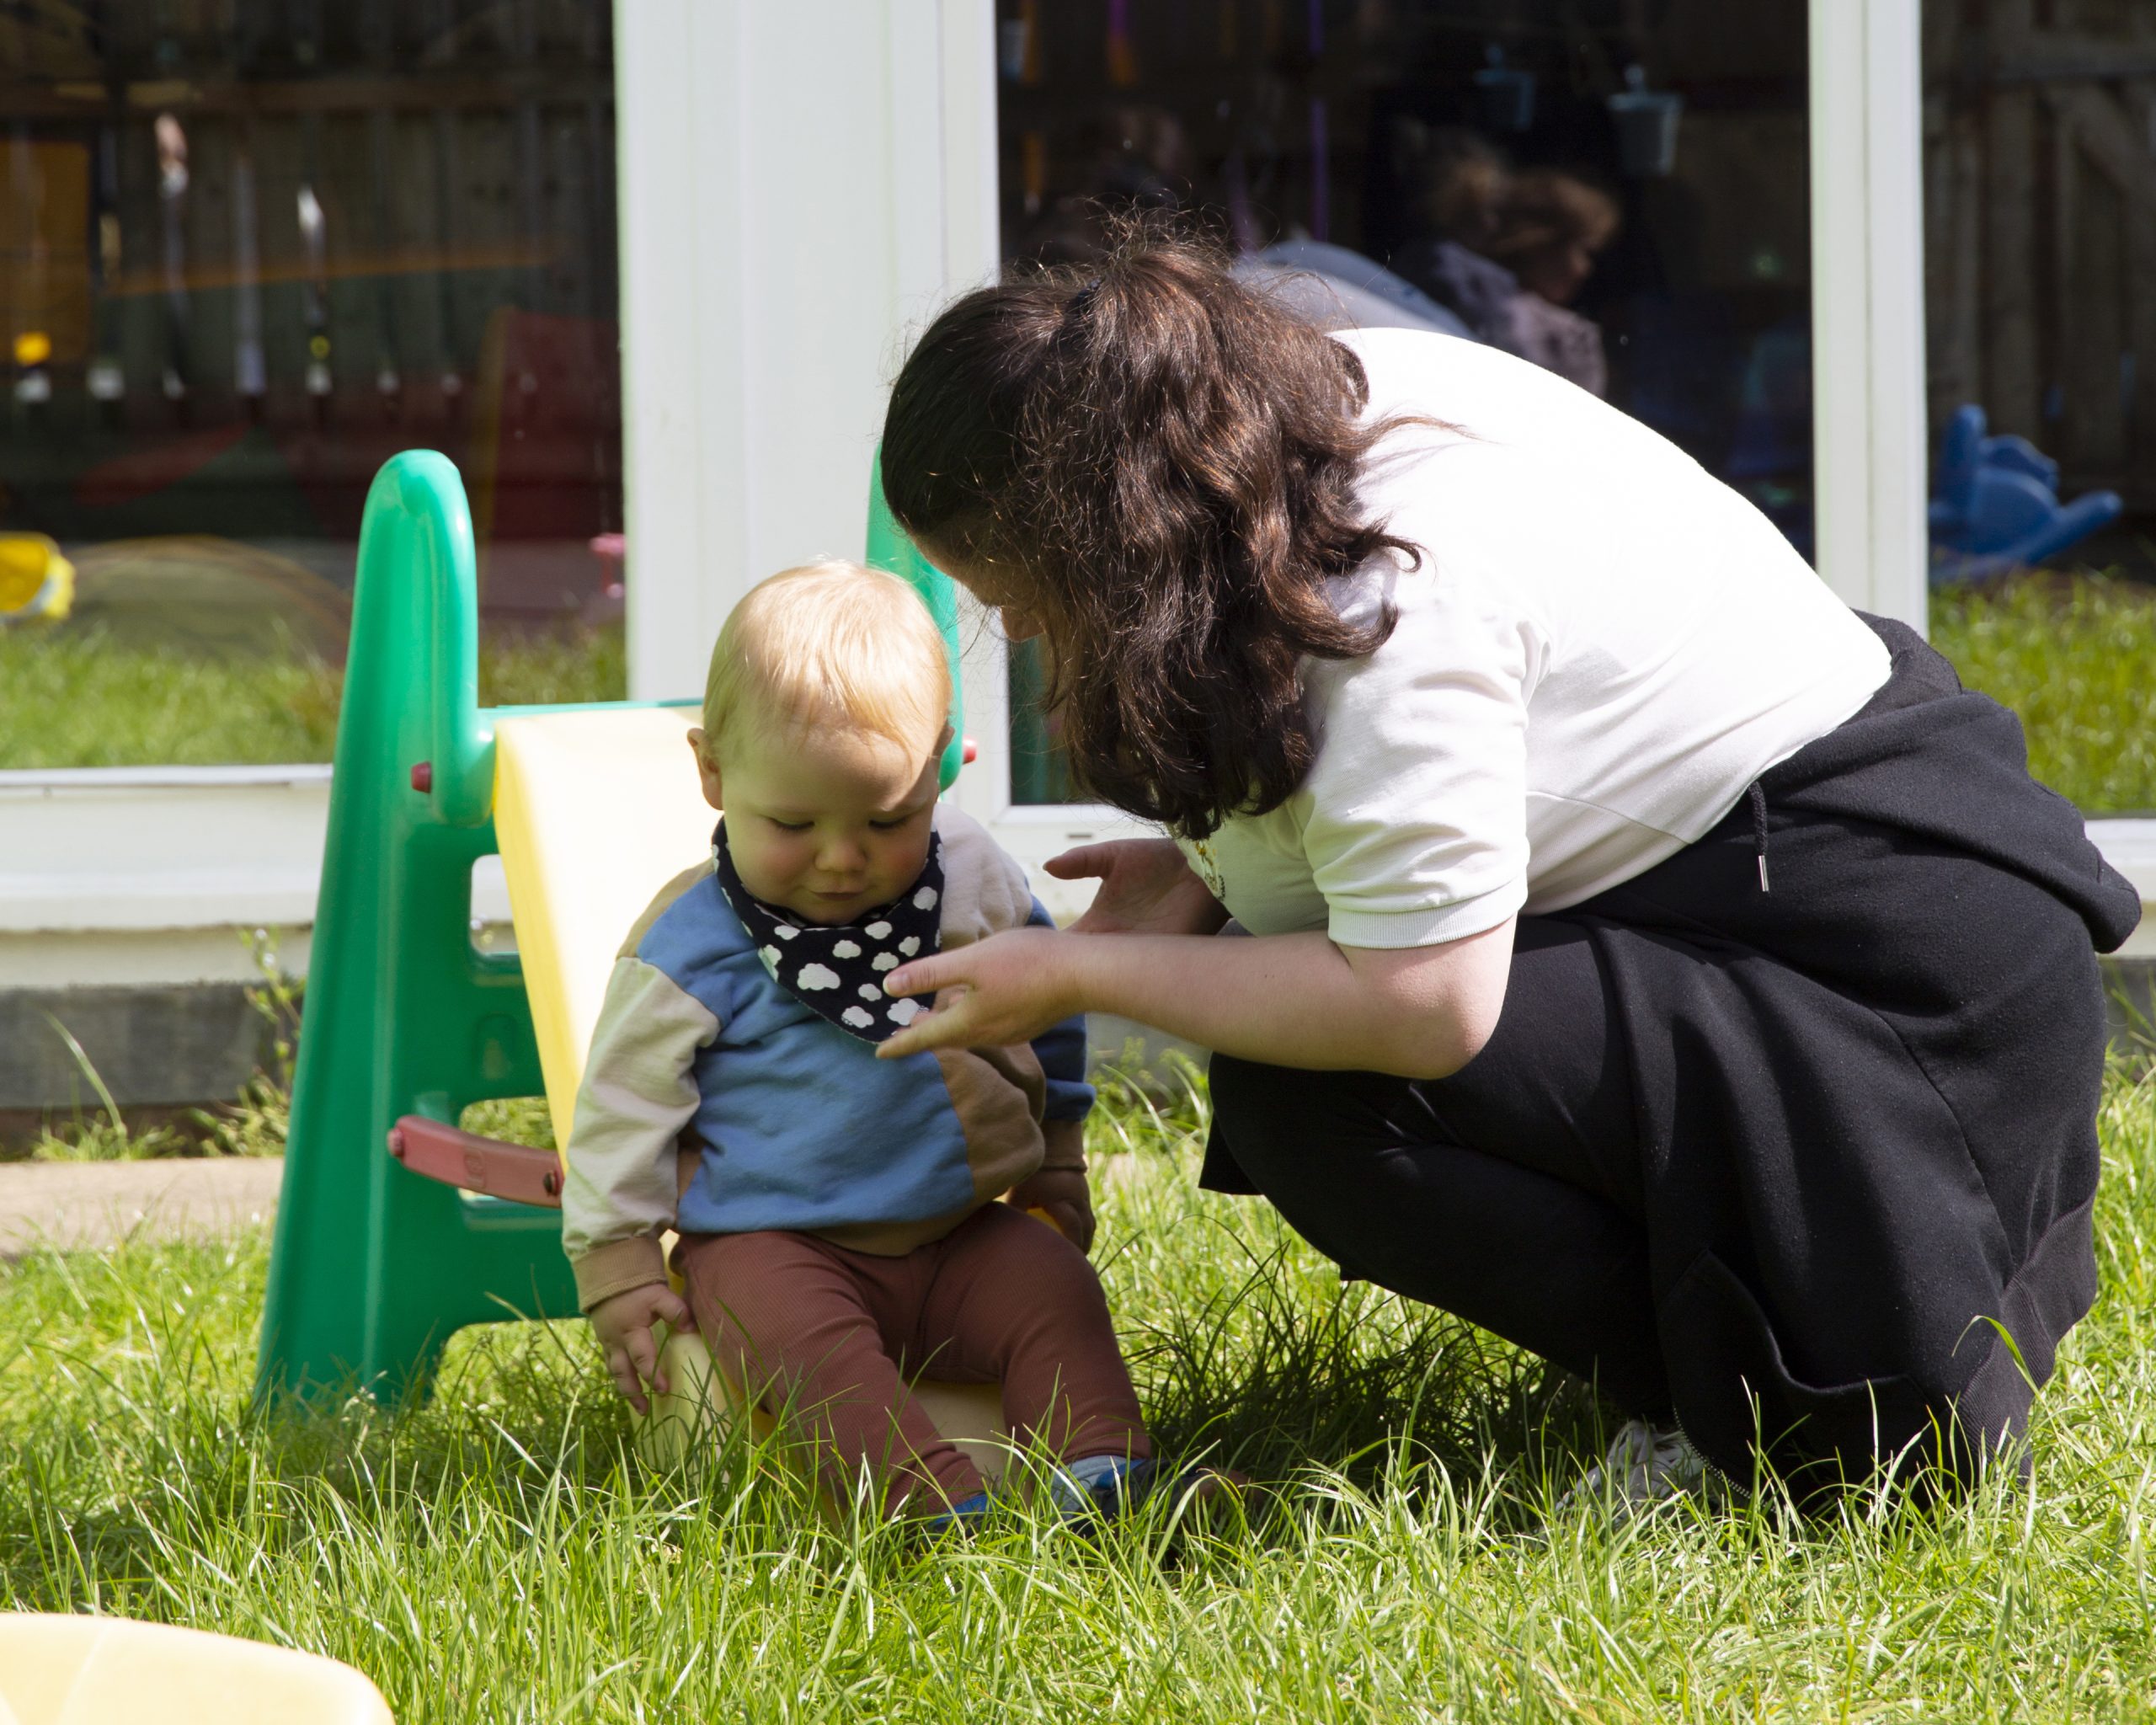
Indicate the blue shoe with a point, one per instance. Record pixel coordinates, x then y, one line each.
963 1519
1097 1490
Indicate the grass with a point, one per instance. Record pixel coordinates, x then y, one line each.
79 699
2075 655
498 1553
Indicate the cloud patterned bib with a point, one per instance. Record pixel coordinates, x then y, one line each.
837 970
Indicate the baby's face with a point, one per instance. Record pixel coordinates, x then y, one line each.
829 822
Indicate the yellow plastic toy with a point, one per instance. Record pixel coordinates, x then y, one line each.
63 1670
36 582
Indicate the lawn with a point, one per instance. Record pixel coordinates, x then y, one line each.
77 698
500 1554
2076 657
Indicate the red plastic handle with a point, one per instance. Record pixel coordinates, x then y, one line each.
464 1159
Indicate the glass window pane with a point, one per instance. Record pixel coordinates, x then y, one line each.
2040 246
249 250
1616 190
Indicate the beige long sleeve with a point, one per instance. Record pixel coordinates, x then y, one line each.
622 1186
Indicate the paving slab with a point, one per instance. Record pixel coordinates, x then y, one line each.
86 1206
83 1206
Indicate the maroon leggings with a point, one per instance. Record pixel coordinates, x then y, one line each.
834 1335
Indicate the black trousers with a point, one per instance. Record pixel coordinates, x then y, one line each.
1509 1194
1790 1163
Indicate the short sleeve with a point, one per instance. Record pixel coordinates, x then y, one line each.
1414 817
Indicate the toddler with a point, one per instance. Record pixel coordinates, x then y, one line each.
837 1214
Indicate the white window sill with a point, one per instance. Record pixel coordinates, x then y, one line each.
158 849
151 852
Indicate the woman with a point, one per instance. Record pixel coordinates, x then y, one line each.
1654 961
1507 251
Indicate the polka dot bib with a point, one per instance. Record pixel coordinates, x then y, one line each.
837 970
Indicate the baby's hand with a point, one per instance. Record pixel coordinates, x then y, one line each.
1068 1200
622 1323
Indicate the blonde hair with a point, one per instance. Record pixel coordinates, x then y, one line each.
828 641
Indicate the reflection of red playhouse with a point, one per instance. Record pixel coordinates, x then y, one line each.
230 301
545 448
541 451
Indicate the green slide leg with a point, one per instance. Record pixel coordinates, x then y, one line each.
375 1267
889 549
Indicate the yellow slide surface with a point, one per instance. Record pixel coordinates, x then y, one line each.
64 1670
593 813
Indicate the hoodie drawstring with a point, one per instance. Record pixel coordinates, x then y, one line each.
1759 794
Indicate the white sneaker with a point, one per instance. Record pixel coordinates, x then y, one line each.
1647 1463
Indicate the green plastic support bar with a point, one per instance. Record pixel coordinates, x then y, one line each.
890 550
374 1266
435 551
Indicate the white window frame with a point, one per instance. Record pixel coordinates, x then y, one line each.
754 385
800 186
1870 463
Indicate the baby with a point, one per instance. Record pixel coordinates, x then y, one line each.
839 1225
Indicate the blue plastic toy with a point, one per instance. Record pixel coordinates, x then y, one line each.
1995 506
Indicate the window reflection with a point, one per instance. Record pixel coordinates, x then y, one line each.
248 251
1615 189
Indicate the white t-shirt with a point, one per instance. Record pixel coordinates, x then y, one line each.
1605 645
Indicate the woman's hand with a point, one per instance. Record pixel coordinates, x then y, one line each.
1147 887
1006 989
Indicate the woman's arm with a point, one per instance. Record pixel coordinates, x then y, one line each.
1289 999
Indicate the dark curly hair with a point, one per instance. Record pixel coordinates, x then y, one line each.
1159 464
